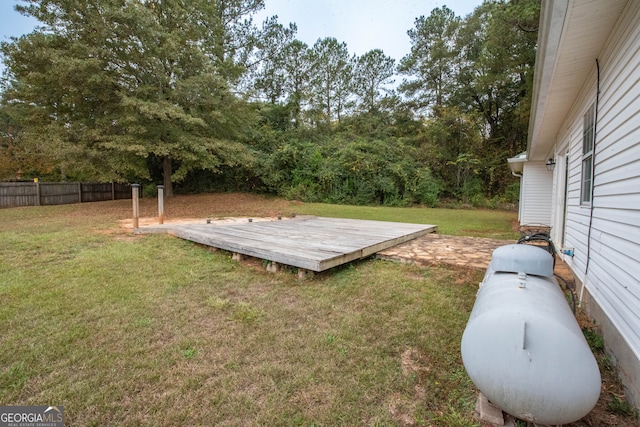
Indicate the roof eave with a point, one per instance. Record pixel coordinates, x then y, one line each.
571 36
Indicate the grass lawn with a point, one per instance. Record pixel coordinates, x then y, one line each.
456 222
152 330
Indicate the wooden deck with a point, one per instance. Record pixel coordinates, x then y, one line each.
310 243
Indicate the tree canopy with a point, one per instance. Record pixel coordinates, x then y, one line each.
198 95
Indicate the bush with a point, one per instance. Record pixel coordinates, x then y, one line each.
149 190
512 192
472 192
350 170
425 189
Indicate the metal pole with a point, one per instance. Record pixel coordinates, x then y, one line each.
38 193
160 204
135 196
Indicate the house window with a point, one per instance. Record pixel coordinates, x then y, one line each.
588 139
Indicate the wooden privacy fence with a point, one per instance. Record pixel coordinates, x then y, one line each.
13 194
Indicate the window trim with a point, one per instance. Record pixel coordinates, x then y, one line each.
588 143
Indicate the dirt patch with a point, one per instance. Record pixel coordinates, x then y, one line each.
228 204
413 363
199 206
399 408
218 208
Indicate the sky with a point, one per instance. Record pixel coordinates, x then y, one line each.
363 24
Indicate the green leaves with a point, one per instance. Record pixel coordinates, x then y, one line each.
332 78
476 70
432 58
372 71
352 171
144 89
133 79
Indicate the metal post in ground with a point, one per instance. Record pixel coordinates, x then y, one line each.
135 196
38 193
160 204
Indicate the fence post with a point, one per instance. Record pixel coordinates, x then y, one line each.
38 203
135 196
79 192
160 204
113 190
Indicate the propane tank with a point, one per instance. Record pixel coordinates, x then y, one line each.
523 348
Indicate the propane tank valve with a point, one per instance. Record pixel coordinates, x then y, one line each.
522 280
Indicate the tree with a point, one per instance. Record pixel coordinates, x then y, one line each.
297 66
432 58
479 69
333 69
497 46
271 74
451 145
372 71
159 89
125 82
286 78
16 159
63 90
232 37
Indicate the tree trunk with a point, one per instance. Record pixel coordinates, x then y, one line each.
166 177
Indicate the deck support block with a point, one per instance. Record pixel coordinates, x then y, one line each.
305 274
273 267
237 256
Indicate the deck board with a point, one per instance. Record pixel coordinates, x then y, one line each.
311 243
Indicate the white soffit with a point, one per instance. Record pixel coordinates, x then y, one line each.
571 36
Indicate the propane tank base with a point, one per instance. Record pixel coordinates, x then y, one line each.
487 412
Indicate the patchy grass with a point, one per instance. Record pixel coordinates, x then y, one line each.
151 330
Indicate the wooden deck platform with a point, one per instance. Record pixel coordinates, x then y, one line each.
310 243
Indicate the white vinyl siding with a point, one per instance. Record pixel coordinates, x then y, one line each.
535 206
613 276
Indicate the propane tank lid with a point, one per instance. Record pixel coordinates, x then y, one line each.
518 258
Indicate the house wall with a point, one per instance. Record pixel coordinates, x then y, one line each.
535 194
607 262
